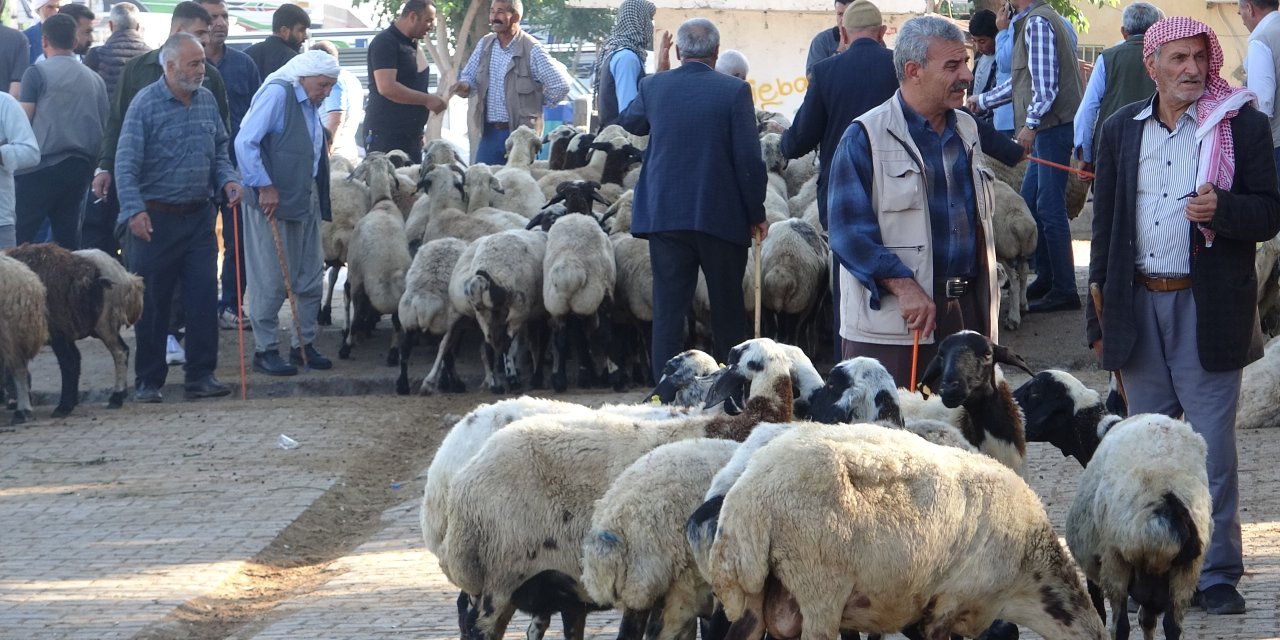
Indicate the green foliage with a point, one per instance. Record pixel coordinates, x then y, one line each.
1069 11
565 22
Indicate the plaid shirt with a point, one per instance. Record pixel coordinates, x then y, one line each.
1042 62
855 224
551 75
170 152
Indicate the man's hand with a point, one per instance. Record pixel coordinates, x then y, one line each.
773 126
1203 205
916 306
1086 166
268 200
140 226
1004 16
1026 138
664 51
460 88
101 184
760 231
1097 348
972 104
232 191
435 103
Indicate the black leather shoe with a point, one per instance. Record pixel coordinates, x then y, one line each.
1220 599
270 363
206 388
314 359
1039 289
1051 303
147 395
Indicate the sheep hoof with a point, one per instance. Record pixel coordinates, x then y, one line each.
393 357
19 417
496 389
63 410
402 386
513 383
324 317
116 400
559 382
618 380
455 386
426 389
344 352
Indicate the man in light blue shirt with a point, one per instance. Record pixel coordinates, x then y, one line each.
284 162
1126 82
620 63
18 150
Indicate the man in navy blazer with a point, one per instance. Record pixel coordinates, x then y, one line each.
700 197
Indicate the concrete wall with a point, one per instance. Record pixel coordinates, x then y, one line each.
1104 28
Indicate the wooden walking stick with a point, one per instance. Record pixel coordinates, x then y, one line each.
1095 293
288 290
235 231
756 244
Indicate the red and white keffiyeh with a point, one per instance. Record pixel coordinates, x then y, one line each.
1219 104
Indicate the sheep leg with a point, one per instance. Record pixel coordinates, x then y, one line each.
492 615
441 374
491 379
749 625
511 360
21 394
614 348
1099 602
464 614
69 363
325 316
120 356
393 352
537 334
406 347
559 352
1173 624
538 625
1120 613
1147 620
348 336
632 625
574 620
582 344
714 627
679 615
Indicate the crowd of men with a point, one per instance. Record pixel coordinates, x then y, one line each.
167 141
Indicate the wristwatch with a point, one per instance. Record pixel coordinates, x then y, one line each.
1031 127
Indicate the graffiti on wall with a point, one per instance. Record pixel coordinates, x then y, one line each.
775 92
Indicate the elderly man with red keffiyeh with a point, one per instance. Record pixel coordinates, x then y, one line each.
1186 184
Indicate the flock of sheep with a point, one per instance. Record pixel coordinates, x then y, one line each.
813 507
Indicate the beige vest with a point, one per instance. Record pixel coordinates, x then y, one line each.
522 92
1063 109
898 189
1270 36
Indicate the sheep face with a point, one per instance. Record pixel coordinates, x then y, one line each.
747 362
857 390
1052 402
578 195
680 371
964 368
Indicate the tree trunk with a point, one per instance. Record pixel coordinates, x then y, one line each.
450 64
577 55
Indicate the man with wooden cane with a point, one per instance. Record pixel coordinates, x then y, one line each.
1186 184
282 156
910 210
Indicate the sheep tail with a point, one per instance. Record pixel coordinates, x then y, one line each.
739 559
1175 544
477 288
133 300
567 276
604 566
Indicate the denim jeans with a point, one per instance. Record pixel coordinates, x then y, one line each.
492 149
1045 191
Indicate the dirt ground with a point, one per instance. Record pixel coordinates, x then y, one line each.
188 520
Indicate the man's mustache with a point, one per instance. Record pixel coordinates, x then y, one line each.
963 85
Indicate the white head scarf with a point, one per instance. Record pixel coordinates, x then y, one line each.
311 63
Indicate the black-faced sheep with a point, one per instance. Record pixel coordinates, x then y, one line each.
121 307
1062 411
686 379
26 328
811 542
503 558
1141 520
75 292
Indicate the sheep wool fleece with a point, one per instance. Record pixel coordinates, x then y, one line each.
300 241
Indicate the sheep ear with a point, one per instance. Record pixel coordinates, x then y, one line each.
599 198
535 221
731 383
496 185
424 183
929 379
559 197
1005 355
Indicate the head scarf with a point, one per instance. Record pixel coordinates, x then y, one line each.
311 63
633 30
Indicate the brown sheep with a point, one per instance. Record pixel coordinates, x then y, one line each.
25 331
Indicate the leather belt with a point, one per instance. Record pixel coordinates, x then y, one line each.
177 209
953 287
499 125
1160 285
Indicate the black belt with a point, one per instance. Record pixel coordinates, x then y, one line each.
499 125
953 287
177 209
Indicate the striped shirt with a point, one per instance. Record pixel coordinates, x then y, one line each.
1042 62
1166 173
170 152
550 74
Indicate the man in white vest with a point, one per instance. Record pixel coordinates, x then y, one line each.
1263 58
910 210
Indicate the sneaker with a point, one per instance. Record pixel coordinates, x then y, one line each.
1220 599
174 353
147 394
228 319
314 358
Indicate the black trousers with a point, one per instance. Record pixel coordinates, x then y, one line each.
675 257
231 257
410 143
55 193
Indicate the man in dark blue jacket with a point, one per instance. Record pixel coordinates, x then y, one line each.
700 197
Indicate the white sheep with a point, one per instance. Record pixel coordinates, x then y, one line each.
1141 521
425 307
377 260
520 192
775 165
498 541
861 527
807 195
348 202
1015 240
635 556
633 289
801 172
121 307
24 317
446 207
498 281
795 261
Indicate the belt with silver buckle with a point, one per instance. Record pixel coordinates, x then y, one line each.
954 287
